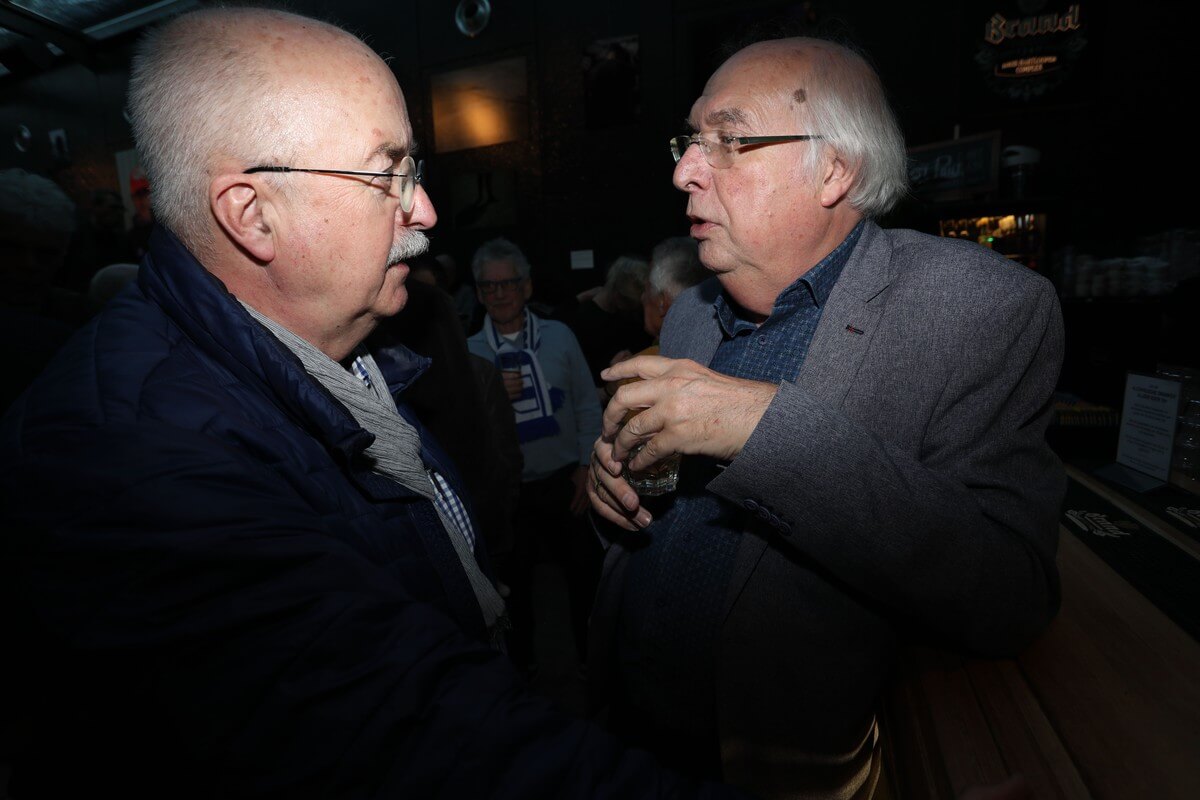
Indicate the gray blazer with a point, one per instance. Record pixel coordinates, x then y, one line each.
901 486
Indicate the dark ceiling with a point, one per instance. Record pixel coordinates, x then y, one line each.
37 34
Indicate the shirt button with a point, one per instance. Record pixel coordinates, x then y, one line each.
750 505
762 340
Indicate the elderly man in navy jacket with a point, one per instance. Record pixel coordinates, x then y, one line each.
236 565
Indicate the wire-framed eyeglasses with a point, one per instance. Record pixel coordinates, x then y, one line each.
495 287
718 148
410 174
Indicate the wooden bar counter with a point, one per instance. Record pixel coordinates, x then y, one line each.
1105 704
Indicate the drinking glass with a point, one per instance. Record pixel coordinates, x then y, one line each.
657 479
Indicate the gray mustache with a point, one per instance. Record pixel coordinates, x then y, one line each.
412 245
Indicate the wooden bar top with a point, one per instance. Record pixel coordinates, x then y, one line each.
1105 704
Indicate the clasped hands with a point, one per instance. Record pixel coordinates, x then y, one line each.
687 409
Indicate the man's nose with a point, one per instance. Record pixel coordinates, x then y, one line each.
692 170
423 215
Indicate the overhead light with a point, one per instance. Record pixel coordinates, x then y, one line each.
472 16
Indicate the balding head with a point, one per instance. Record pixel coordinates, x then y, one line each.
278 150
830 89
766 211
225 84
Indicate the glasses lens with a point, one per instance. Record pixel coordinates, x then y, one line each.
494 287
407 175
715 154
679 146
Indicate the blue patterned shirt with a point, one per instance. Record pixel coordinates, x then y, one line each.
675 585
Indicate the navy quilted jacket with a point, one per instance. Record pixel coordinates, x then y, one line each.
211 597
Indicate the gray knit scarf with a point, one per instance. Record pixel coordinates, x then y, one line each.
396 450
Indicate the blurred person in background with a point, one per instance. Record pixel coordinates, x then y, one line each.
463 293
557 416
102 240
674 266
609 320
37 220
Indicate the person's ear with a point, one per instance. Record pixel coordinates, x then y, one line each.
836 182
242 207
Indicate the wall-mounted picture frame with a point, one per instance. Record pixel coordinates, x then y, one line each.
480 105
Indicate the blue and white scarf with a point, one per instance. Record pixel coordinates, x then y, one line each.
533 409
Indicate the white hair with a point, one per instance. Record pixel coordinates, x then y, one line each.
842 99
625 282
33 203
500 249
675 265
198 89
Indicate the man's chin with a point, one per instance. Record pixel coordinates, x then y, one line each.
712 256
506 318
399 301
396 300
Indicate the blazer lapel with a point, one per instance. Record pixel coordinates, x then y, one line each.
848 323
849 320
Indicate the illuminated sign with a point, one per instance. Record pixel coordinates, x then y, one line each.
998 28
955 169
1029 55
1021 67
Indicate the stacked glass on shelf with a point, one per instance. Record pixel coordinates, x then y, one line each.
1162 261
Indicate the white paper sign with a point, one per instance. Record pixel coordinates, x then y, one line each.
1148 424
582 259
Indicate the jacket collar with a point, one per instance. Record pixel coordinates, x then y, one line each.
852 307
211 317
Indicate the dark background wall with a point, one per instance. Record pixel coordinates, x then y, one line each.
1117 161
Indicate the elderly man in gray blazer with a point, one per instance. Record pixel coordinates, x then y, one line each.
861 414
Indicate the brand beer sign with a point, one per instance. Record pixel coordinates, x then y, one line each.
999 28
1030 53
